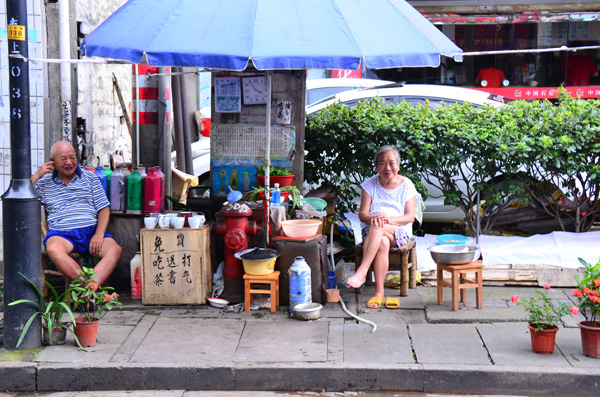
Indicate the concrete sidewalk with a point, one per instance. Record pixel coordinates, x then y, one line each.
421 347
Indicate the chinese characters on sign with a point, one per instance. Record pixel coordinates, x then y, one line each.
175 266
172 273
227 94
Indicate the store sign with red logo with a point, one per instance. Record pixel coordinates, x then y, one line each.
542 92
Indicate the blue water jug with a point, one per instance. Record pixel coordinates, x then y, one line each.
103 179
300 283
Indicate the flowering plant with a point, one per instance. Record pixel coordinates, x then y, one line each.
90 298
588 292
543 312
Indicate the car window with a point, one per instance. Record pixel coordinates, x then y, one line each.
388 101
316 94
433 102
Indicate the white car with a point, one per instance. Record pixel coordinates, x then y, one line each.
415 94
319 89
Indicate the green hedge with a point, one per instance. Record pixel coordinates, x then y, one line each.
498 151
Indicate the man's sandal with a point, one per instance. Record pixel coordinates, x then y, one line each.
376 300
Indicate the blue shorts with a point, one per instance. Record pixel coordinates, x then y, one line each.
80 238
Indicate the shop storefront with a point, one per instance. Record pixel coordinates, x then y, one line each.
533 75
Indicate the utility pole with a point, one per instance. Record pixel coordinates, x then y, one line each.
21 210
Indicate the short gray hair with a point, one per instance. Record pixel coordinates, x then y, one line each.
385 149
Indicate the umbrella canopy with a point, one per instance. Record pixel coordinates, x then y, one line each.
270 34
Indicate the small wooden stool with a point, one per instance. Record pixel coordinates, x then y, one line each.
272 279
459 282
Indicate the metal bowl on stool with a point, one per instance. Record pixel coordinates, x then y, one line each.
453 254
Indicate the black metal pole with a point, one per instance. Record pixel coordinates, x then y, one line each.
21 212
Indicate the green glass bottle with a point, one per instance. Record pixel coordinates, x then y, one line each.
135 192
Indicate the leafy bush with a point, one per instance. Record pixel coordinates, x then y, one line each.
509 153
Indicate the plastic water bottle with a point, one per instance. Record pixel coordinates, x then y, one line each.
135 266
275 194
300 283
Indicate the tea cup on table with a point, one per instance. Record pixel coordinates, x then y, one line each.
196 221
150 222
178 222
201 217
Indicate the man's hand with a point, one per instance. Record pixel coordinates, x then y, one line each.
96 244
46 168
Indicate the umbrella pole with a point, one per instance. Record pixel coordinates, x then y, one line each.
267 200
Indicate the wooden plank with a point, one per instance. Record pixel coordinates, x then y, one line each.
176 266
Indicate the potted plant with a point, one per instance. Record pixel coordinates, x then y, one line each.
91 299
283 177
51 313
544 316
588 295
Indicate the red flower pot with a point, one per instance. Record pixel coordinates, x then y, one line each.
283 180
590 338
86 331
542 342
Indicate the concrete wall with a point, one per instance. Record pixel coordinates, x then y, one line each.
97 100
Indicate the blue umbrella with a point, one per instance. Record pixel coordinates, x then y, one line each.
270 34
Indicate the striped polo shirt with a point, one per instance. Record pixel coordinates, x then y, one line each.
75 205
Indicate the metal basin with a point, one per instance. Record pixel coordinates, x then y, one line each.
453 254
308 311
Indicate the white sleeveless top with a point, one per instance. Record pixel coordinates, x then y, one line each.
390 202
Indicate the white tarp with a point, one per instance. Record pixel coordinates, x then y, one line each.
554 249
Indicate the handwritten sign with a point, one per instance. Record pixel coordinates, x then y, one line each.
175 266
227 95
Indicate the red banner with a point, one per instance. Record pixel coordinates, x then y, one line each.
542 92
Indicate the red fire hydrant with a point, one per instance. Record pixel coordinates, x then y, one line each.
236 229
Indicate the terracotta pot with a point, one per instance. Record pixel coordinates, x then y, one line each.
86 331
58 336
590 338
542 342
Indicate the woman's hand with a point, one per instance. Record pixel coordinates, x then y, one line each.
380 219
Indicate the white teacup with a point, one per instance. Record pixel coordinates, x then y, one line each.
196 221
178 222
150 222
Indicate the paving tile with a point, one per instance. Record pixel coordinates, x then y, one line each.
190 340
448 344
122 317
283 341
568 341
510 344
110 337
388 344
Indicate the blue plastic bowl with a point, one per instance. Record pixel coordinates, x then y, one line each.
458 239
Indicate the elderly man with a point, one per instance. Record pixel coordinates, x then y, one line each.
78 213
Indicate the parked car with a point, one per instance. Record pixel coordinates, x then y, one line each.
434 95
201 159
318 89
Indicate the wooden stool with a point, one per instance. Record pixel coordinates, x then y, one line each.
404 259
459 282
272 279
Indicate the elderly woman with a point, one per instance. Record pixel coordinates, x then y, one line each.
387 209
